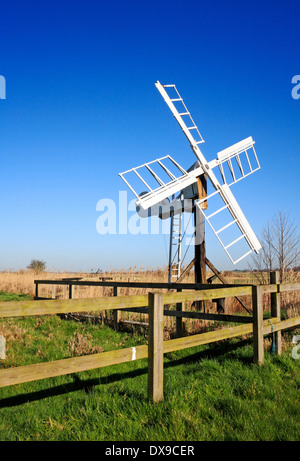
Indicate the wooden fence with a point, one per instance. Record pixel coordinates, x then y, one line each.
70 283
153 304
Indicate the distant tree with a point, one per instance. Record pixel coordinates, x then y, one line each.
280 246
285 243
37 265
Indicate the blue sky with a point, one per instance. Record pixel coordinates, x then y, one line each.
81 106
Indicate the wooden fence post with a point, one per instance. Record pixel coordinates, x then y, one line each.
179 320
2 348
36 290
70 291
275 308
115 311
155 347
258 331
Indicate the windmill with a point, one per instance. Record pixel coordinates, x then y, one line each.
174 190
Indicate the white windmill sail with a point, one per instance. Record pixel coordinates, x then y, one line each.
163 189
230 163
224 192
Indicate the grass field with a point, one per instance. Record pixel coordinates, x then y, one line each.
210 392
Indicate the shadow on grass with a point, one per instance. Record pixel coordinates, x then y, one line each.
87 385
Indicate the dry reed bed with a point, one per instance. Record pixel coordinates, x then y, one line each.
22 282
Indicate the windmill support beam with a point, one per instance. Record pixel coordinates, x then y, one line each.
199 261
225 281
200 253
186 271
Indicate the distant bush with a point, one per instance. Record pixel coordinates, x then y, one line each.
37 265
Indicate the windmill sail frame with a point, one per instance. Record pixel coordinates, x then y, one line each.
229 158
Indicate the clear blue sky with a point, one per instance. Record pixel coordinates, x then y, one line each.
81 106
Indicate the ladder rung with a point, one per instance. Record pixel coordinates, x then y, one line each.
236 240
218 211
192 128
227 225
176 99
184 113
168 86
246 254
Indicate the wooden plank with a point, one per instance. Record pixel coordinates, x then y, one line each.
155 347
179 323
269 288
206 338
225 333
275 309
153 285
18 375
279 326
258 334
138 310
208 316
27 373
173 298
72 278
283 287
36 290
63 306
202 189
198 315
116 318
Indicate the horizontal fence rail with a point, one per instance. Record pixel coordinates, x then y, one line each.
62 306
37 371
155 285
153 304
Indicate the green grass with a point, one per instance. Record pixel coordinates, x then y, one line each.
4 296
210 392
